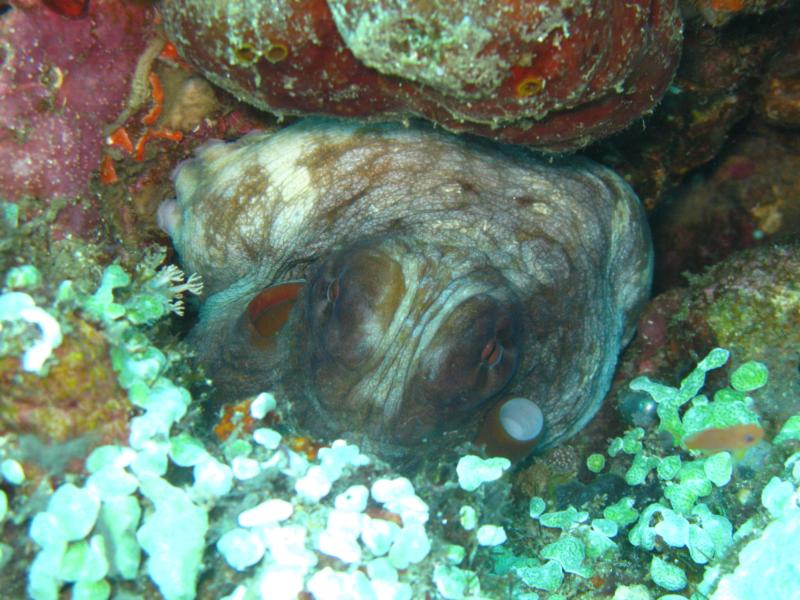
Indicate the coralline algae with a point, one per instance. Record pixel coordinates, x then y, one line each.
61 80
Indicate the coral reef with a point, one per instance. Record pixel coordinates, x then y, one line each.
684 515
176 112
250 518
553 74
174 512
719 12
79 396
681 487
751 197
780 91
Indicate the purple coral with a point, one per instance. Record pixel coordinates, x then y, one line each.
61 81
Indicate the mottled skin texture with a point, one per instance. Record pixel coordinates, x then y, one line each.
442 276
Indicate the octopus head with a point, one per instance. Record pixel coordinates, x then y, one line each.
383 342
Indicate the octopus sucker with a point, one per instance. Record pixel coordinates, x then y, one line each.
415 286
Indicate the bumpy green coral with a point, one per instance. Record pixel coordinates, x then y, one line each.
595 463
670 577
789 431
730 406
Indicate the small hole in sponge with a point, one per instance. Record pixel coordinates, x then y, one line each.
245 54
277 53
530 86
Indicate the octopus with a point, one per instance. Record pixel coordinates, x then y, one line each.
405 288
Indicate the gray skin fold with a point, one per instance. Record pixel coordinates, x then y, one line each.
442 275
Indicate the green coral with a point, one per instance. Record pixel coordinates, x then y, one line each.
622 512
668 576
595 463
750 376
565 519
729 407
158 292
23 277
789 431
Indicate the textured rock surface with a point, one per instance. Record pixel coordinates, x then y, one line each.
556 74
61 81
442 276
747 303
721 75
750 197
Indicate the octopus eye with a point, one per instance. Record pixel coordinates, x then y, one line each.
503 341
472 357
332 291
492 353
353 299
